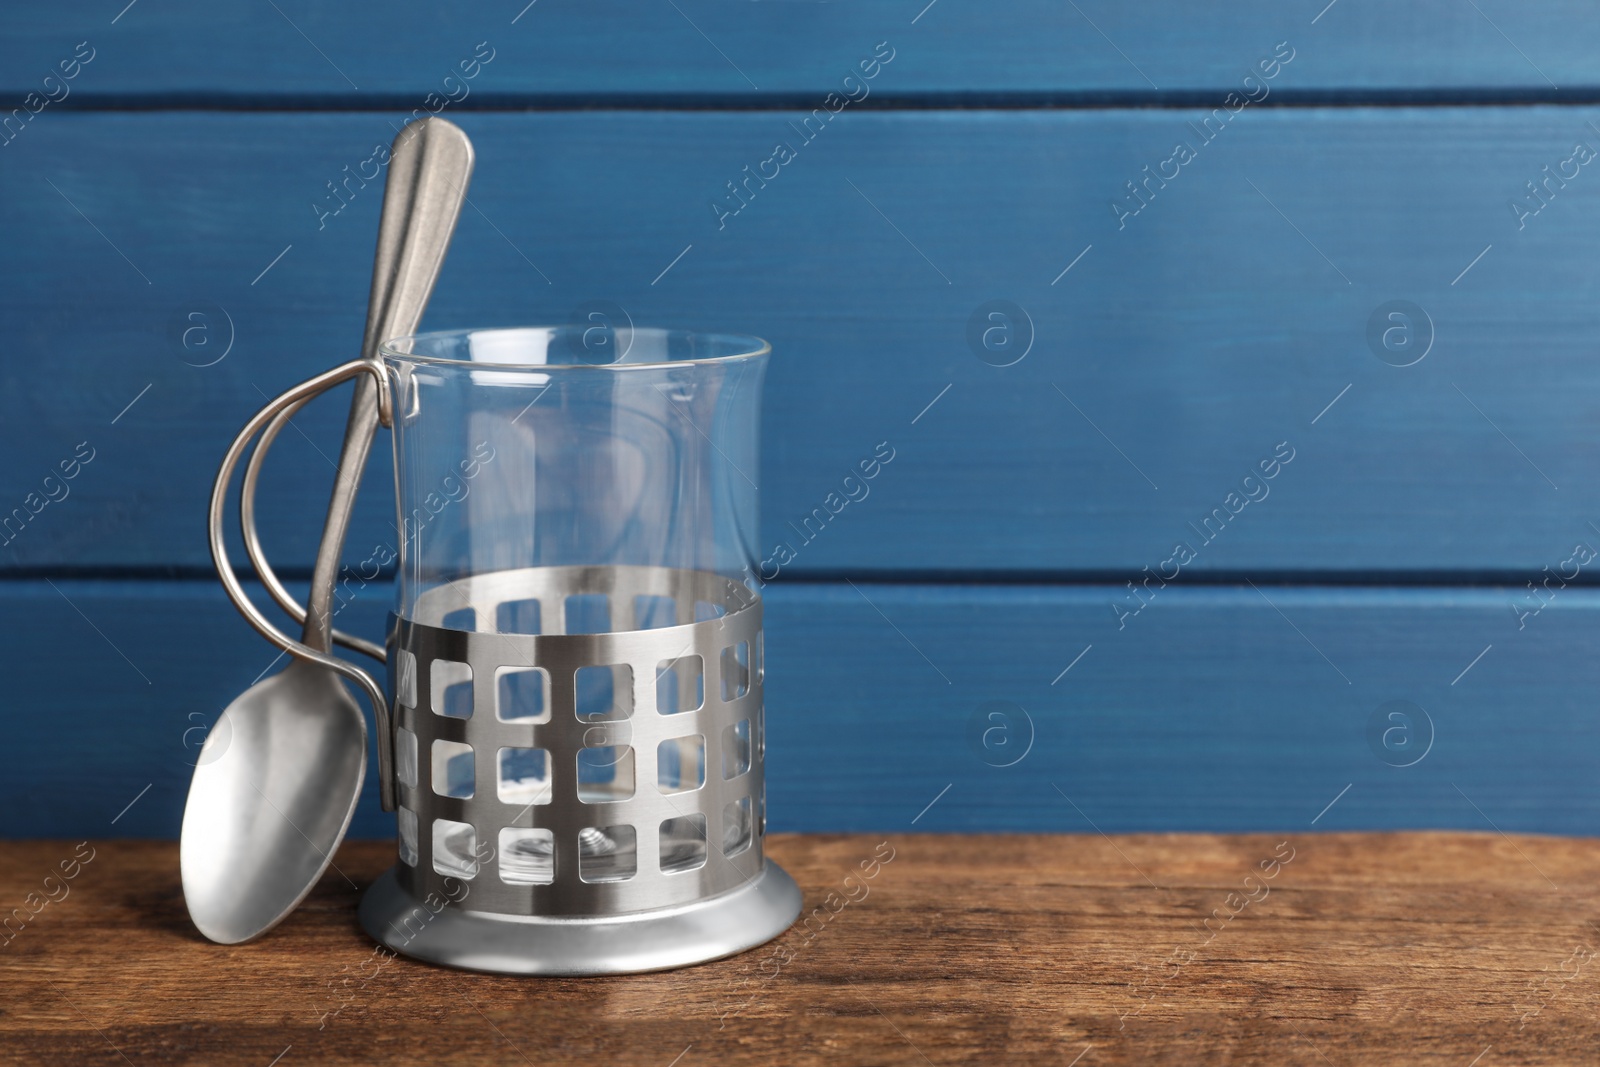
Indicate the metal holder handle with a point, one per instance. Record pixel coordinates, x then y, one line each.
271 419
252 539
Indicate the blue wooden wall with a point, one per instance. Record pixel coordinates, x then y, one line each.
1182 322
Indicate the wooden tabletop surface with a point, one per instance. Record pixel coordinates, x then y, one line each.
1329 949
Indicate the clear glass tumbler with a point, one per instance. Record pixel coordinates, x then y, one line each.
522 450
576 653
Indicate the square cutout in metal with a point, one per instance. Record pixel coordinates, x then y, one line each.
681 764
607 853
586 613
407 820
405 757
736 823
683 843
450 689
680 685
518 617
527 856
524 776
453 773
736 671
736 749
405 679
460 619
604 693
522 694
605 774
455 849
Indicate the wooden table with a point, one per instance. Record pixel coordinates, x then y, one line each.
1311 949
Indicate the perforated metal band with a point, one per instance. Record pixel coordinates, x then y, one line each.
459 685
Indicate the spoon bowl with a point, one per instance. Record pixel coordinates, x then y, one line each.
273 792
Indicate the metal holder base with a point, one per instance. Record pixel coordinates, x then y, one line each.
438 932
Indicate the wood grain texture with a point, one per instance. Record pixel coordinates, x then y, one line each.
296 51
1214 708
1290 948
1229 316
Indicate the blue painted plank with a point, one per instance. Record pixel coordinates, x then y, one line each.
1225 709
1172 356
298 51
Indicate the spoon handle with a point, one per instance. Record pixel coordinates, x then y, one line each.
430 164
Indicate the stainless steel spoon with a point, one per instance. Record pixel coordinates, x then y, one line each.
278 777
